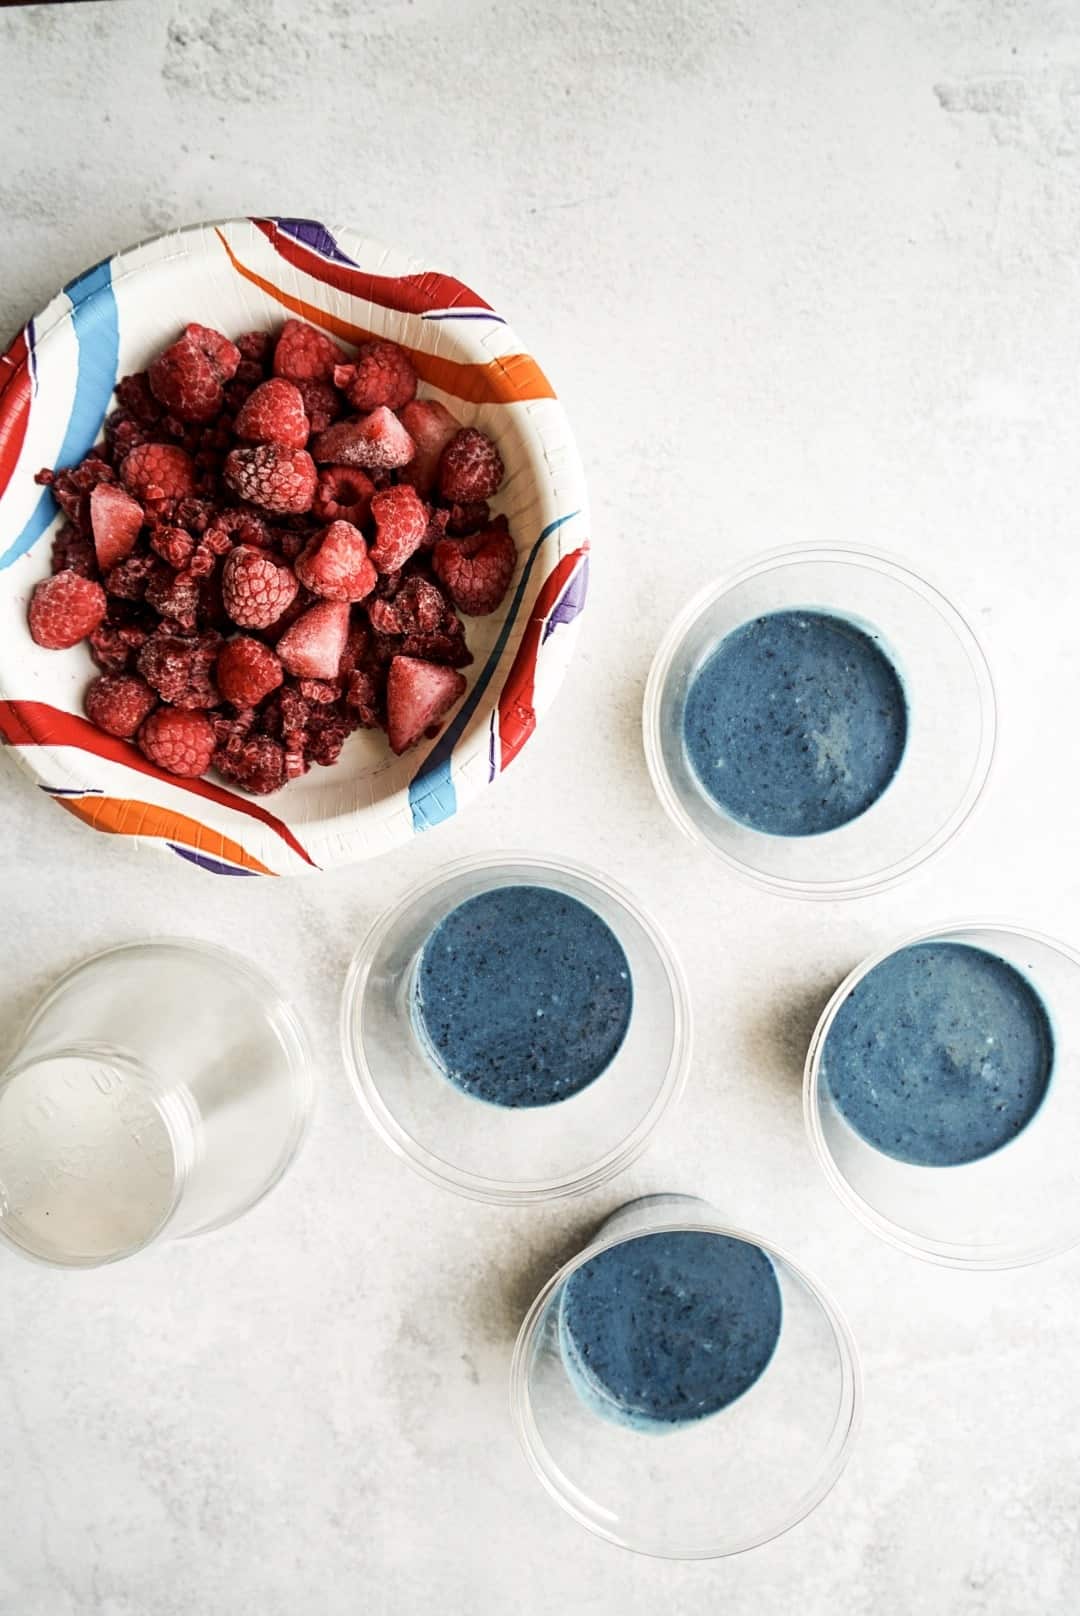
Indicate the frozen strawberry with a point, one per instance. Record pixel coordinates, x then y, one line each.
477 571
401 521
180 742
158 471
383 374
256 765
180 667
418 694
174 595
376 442
335 564
64 609
312 647
276 479
322 403
224 356
247 671
118 703
344 493
304 354
186 382
273 413
470 467
256 589
431 426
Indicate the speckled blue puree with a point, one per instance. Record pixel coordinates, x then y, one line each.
940 1055
523 996
795 723
669 1327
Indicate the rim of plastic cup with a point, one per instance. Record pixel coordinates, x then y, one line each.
878 561
173 1107
837 1452
947 1253
436 1169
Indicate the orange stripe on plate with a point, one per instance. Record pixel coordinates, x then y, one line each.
123 816
510 379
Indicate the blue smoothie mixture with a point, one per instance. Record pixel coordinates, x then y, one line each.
796 723
940 1055
523 996
669 1327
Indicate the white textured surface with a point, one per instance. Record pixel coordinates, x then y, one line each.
804 271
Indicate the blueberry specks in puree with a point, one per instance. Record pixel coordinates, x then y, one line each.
523 996
795 723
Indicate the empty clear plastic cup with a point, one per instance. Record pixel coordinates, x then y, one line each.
159 1090
1017 1204
950 720
511 1154
700 1487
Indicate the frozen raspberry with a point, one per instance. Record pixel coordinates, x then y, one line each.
321 692
180 668
431 426
274 413
118 703
244 526
194 513
128 579
383 374
124 433
223 355
470 467
325 744
446 647
64 609
477 571
467 517
322 403
186 382
114 648
335 564
304 354
230 728
247 671
436 527
312 647
365 695
277 479
71 487
256 765
401 520
174 595
134 397
418 694
73 550
342 493
174 545
256 347
256 589
376 442
158 471
180 742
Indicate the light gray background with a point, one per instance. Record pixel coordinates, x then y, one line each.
800 271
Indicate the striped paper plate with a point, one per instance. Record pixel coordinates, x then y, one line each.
56 382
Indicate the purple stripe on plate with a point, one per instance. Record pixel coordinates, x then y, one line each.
570 602
205 862
310 233
464 314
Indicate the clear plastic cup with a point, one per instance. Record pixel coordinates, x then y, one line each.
1016 1206
489 1152
951 721
159 1090
714 1486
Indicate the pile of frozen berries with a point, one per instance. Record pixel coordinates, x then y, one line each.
270 550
